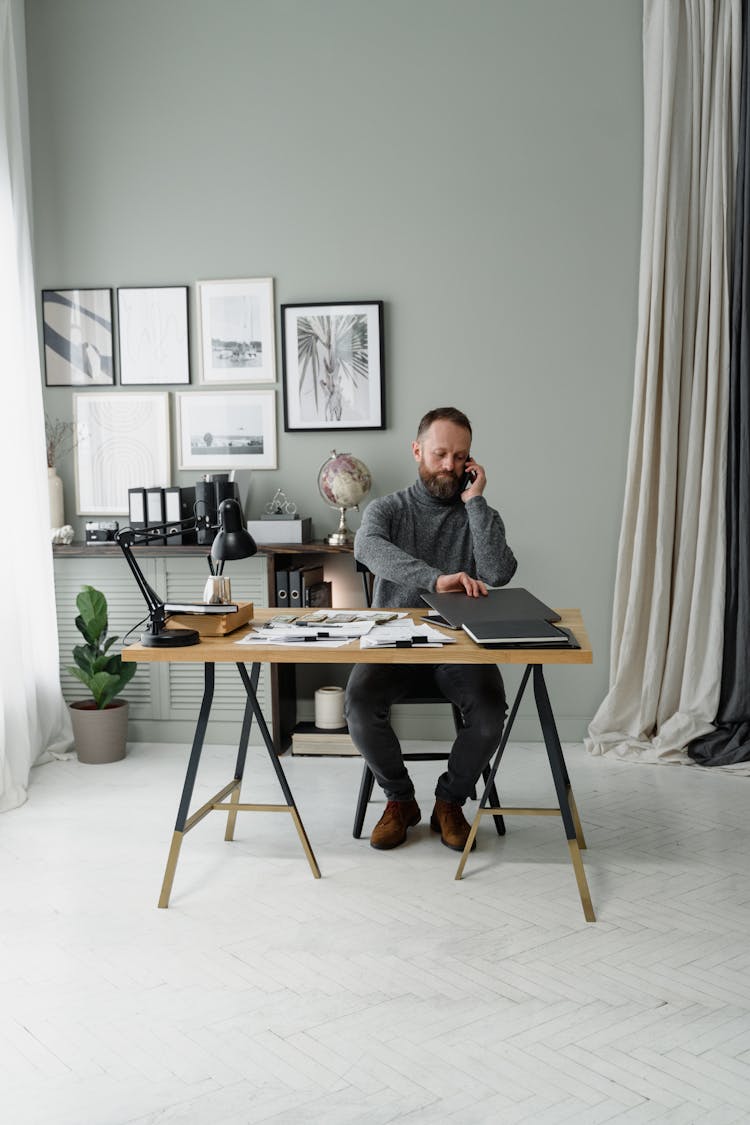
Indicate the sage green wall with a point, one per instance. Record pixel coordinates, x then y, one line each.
475 164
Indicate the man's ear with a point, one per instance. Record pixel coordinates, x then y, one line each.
416 449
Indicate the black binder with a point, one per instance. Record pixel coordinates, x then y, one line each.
178 506
155 511
137 508
282 589
301 578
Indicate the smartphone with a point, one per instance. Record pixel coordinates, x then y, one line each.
469 476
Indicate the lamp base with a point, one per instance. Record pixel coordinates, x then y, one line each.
171 638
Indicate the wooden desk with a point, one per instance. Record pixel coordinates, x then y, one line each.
222 650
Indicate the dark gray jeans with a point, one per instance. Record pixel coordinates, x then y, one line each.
476 689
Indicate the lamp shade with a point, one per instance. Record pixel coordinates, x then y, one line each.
233 541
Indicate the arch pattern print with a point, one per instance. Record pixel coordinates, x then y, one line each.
123 442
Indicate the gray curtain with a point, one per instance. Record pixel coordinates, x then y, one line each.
729 743
668 612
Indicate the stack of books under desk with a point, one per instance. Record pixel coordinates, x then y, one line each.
309 739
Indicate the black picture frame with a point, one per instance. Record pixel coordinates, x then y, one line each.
78 337
315 335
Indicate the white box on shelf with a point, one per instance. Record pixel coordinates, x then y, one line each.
281 531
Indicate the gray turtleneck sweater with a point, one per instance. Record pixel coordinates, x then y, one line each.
409 538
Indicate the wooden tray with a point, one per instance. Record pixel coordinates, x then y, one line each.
215 624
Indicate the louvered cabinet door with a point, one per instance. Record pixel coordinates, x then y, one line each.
185 579
125 606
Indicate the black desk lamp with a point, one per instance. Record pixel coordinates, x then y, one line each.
232 542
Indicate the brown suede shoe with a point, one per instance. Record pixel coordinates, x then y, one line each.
390 831
448 819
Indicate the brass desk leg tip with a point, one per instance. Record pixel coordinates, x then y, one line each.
166 887
305 842
468 846
583 887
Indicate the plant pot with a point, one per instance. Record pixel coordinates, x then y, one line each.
100 736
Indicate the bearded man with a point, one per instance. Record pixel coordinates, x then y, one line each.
441 535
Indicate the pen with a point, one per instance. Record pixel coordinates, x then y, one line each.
319 637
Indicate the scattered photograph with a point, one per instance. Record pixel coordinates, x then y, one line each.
123 442
77 330
230 430
237 331
333 372
153 335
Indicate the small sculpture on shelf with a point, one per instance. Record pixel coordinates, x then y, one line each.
279 508
62 536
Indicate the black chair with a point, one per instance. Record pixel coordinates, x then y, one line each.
430 694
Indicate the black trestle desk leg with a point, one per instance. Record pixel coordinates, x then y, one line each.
239 768
290 806
565 798
181 825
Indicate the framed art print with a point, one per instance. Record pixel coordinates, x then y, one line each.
153 335
237 331
227 430
333 374
123 442
77 331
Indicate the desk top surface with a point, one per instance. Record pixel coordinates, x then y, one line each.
226 650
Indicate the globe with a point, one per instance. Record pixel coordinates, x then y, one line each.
343 482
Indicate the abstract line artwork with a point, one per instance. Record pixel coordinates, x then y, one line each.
123 442
78 337
153 335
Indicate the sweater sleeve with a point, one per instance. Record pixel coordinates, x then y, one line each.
373 546
496 563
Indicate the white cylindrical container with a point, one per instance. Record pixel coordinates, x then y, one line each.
329 708
212 591
56 510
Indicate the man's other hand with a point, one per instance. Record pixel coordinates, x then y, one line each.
461 583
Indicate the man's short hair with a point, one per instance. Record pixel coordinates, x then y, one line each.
443 414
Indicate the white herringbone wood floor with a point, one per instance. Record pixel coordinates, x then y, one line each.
385 992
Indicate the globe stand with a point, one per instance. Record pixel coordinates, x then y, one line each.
342 536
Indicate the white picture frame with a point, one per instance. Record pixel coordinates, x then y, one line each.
153 335
227 429
123 442
237 331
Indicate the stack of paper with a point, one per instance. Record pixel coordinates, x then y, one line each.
328 636
404 634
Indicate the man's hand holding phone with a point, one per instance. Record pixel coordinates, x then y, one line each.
473 481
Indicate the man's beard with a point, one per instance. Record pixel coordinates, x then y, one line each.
442 485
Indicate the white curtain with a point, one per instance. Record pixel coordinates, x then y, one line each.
667 630
34 723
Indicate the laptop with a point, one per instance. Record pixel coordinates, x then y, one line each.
507 604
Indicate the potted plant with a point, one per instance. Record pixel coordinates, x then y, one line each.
100 724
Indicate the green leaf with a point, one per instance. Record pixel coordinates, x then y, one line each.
92 607
84 677
103 687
